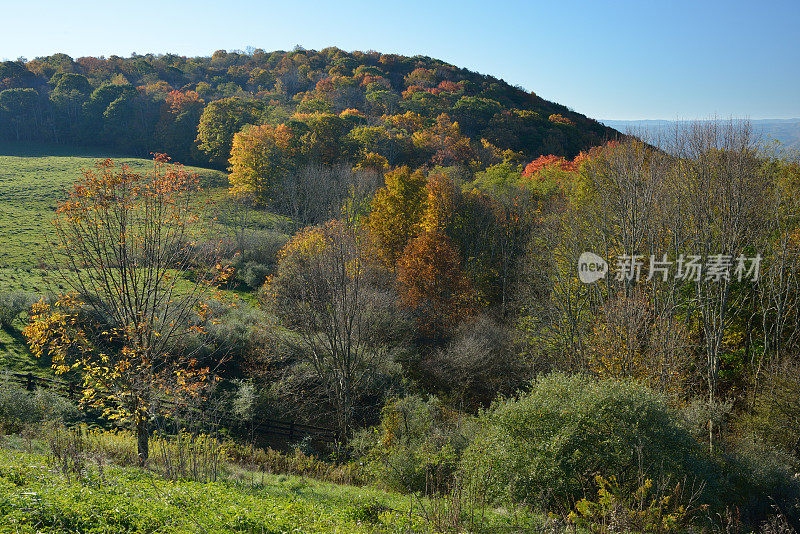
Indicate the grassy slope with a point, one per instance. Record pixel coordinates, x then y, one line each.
35 498
32 180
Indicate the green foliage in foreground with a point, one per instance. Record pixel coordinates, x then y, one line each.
547 448
33 498
36 497
551 443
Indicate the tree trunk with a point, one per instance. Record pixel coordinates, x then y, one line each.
711 427
142 438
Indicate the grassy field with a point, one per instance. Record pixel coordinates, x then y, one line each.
35 496
32 181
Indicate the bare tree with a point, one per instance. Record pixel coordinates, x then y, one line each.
343 325
726 197
317 192
777 308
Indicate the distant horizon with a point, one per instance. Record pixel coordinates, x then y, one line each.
786 119
784 130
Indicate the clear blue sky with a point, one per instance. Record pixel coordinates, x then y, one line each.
607 59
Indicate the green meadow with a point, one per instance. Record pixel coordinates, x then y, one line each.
112 499
33 179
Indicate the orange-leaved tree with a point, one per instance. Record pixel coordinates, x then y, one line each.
126 240
432 284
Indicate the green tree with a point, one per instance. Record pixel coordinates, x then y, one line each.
21 107
220 121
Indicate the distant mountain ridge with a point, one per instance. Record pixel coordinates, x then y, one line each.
785 131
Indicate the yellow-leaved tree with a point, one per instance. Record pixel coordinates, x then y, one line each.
396 212
126 240
261 157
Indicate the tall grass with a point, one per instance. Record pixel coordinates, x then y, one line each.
184 456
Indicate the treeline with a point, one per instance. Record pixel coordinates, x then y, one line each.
699 300
369 105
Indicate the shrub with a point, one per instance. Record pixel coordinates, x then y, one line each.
477 364
51 407
232 336
19 407
369 512
253 274
546 447
417 446
775 417
261 247
759 480
646 510
13 304
67 450
188 456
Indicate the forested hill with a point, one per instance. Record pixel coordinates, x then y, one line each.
359 106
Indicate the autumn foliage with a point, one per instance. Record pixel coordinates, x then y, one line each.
396 212
431 283
261 156
125 238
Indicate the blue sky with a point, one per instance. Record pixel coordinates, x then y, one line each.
607 59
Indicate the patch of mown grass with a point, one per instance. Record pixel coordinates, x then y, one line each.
29 279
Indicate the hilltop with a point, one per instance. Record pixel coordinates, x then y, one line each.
190 107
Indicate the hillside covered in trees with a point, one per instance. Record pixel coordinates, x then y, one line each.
399 260
369 106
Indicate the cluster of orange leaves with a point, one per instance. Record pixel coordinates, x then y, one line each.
553 162
177 101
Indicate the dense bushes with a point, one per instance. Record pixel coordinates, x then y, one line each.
19 407
476 365
417 445
546 447
759 481
13 304
551 447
